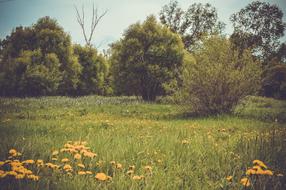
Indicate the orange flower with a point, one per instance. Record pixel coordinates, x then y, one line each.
77 156
102 177
229 178
65 160
245 182
260 163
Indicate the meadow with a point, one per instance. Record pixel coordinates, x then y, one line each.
124 143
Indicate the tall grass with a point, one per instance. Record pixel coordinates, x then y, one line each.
184 153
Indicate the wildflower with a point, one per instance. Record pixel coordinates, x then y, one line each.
81 172
12 151
185 141
136 177
88 172
229 178
54 153
148 168
119 166
54 159
129 172
77 156
28 162
102 177
267 172
259 163
33 177
81 165
67 167
11 173
2 163
245 182
65 160
113 163
39 162
19 176
132 167
251 172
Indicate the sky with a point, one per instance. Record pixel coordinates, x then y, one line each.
121 14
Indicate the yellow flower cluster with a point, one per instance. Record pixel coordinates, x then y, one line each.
17 169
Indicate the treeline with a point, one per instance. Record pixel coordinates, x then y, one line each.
185 55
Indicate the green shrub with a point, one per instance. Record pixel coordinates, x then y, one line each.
219 76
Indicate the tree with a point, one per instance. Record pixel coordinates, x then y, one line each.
146 60
259 26
47 37
191 24
32 74
95 72
274 81
216 80
94 22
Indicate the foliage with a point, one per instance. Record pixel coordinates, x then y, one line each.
217 80
262 108
47 38
259 26
95 72
191 24
32 74
147 60
184 153
274 81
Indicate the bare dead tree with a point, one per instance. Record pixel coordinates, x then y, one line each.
95 20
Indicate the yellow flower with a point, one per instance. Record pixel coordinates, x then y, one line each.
12 151
81 165
260 163
136 177
267 172
67 167
185 141
88 172
65 160
245 182
81 172
33 177
229 178
11 173
54 159
77 156
102 177
119 166
54 153
132 167
19 176
113 163
28 162
2 163
129 172
251 172
148 168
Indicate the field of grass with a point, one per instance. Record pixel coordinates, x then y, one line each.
139 145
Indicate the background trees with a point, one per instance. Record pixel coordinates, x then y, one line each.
216 80
191 24
258 26
94 78
147 59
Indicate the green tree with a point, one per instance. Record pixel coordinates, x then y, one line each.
32 74
191 24
50 39
219 76
95 71
146 60
274 81
258 26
